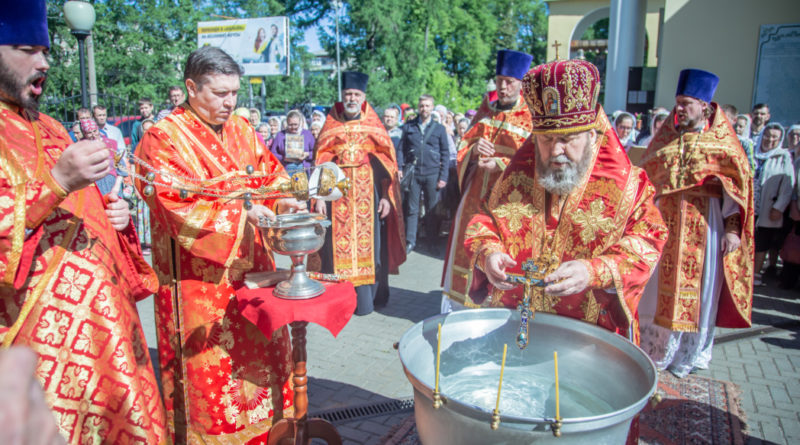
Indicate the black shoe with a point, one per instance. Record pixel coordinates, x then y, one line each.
409 248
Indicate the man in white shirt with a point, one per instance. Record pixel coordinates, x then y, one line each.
101 117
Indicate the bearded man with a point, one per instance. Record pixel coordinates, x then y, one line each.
761 117
71 268
572 208
365 242
499 130
571 200
705 192
223 379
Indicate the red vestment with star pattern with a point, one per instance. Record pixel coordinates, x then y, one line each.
223 380
609 222
507 130
69 288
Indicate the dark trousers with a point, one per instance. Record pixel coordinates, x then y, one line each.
420 184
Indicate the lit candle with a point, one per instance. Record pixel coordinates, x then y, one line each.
558 409
500 385
438 355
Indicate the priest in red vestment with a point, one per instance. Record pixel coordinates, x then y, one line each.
704 189
496 133
366 240
71 268
571 202
223 380
571 216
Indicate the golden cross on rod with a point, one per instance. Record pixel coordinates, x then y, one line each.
556 45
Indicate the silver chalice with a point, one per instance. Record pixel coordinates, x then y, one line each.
296 235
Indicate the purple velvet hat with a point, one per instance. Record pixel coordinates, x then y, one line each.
513 63
698 84
24 23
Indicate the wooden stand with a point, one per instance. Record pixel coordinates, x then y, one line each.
300 430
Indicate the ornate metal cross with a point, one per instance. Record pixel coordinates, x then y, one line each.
556 45
532 281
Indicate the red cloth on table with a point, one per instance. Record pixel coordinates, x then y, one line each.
331 310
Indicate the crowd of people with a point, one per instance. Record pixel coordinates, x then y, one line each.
538 186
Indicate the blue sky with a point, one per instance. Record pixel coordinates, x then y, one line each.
312 40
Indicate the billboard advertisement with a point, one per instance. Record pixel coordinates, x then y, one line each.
260 45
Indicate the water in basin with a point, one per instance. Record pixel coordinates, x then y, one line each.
528 391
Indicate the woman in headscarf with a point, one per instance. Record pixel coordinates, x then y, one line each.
742 126
790 252
264 131
656 120
625 126
793 141
772 192
255 117
274 127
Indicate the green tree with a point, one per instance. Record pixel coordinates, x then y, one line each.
409 47
140 47
446 48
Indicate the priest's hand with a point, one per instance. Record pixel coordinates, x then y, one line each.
487 164
24 415
320 207
258 213
384 208
291 205
570 278
495 269
441 184
81 164
484 148
117 211
730 242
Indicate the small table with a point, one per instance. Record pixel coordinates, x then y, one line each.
332 310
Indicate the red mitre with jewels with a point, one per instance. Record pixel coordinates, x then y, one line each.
562 96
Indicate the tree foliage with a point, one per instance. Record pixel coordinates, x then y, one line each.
446 48
140 46
443 47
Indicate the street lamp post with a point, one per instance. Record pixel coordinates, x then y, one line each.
336 5
80 18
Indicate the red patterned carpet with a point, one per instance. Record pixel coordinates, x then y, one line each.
694 410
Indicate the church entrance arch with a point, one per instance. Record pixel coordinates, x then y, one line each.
583 25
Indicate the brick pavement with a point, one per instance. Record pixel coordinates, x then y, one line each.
361 368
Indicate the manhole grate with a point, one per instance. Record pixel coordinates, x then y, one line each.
366 411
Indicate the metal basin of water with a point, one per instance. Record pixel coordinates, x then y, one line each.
604 380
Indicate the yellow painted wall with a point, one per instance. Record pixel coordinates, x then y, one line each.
720 36
565 15
651 24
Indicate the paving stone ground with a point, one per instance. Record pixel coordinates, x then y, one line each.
360 367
